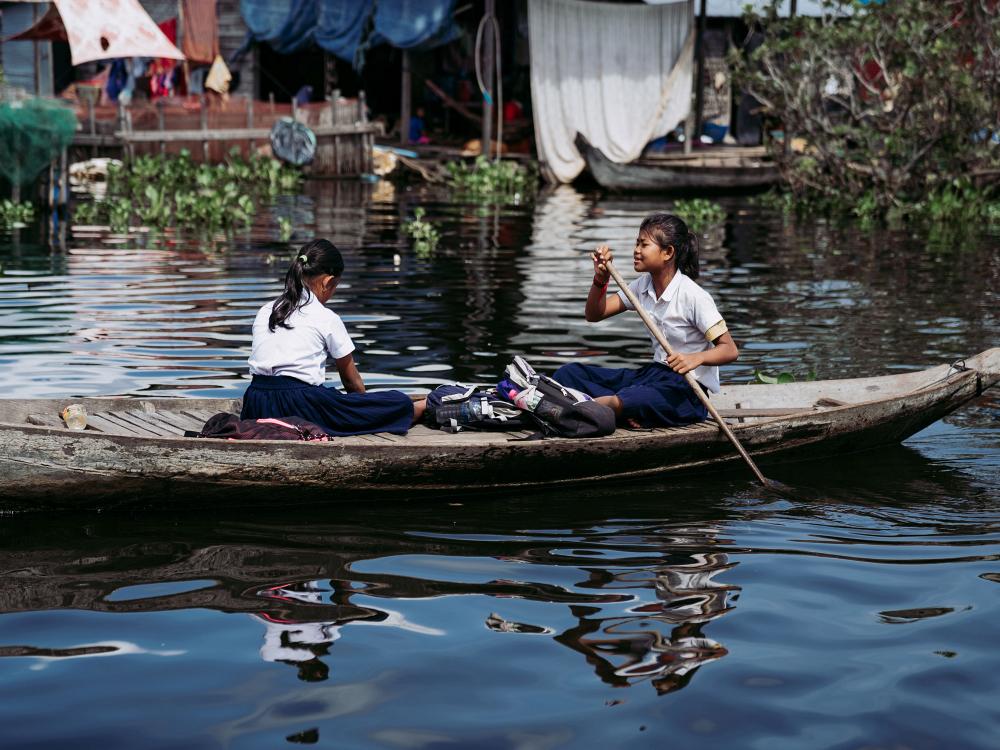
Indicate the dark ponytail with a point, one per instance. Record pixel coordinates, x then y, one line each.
316 258
667 229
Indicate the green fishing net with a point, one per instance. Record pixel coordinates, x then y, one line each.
32 133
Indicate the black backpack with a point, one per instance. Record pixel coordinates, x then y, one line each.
457 407
560 411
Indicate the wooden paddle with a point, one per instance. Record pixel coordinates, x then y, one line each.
689 376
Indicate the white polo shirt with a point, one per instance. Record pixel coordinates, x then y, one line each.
687 316
316 333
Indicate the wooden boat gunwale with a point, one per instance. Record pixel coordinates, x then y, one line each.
100 464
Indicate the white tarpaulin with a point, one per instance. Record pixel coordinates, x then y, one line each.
619 74
103 29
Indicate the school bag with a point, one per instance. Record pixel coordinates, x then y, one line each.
560 411
230 427
458 407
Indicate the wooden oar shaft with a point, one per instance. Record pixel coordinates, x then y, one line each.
689 376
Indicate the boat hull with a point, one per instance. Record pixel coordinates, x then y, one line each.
652 175
49 467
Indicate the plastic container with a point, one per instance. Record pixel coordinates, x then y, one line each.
75 417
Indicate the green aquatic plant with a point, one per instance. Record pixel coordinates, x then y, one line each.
504 181
782 378
425 235
161 191
14 214
700 214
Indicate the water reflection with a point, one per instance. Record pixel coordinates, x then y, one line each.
635 597
580 613
660 641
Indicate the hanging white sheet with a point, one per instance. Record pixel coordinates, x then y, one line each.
619 74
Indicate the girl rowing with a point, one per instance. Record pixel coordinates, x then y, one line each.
656 395
292 338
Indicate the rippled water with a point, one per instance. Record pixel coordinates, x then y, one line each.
684 613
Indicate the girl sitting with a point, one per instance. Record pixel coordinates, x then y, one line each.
293 336
656 395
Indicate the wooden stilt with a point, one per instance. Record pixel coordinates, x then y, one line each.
404 101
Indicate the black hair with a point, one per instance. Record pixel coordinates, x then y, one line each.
314 259
667 229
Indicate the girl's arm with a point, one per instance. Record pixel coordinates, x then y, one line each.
349 375
599 304
722 353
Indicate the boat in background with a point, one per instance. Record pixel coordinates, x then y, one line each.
134 450
706 168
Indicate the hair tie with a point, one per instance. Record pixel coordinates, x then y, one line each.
304 259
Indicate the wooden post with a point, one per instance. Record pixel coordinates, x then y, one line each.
253 143
699 95
489 68
204 127
687 120
785 134
159 120
64 180
329 74
93 125
404 101
38 53
51 186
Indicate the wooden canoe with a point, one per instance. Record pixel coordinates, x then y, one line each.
134 449
710 169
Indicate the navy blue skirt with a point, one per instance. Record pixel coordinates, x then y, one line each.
338 413
653 395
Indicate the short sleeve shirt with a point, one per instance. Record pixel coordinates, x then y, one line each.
687 316
316 333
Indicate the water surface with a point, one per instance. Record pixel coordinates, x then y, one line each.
690 612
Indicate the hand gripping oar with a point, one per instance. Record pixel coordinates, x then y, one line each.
689 376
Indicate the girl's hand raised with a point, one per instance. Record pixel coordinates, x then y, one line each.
601 257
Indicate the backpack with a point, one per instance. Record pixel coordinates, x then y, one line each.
561 411
230 427
457 407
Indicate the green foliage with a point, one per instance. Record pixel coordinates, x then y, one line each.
425 235
162 191
700 214
782 378
503 181
285 229
13 215
894 104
